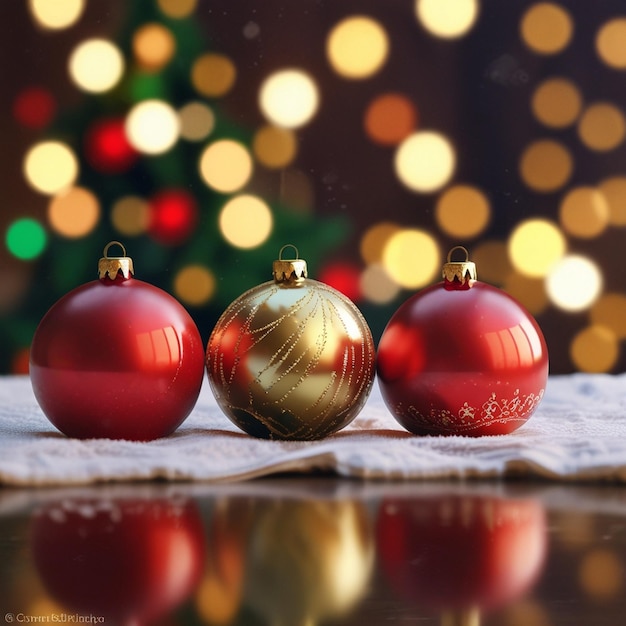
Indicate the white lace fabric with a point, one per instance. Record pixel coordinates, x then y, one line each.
578 433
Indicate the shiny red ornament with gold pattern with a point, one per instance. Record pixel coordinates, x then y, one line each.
117 358
462 358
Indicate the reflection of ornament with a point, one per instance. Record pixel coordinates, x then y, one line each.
306 560
117 357
107 148
173 216
462 357
291 358
129 560
460 555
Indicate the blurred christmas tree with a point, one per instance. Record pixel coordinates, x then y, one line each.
151 157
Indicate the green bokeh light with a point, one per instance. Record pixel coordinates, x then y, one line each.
26 238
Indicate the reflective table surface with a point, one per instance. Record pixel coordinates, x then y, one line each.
292 551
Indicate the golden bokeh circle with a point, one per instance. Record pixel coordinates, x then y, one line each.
411 258
584 212
153 46
492 261
609 311
357 47
50 167
534 246
546 28
448 19
377 286
390 118
594 349
574 283
601 574
130 215
197 121
425 161
546 165
614 190
374 241
463 211
74 213
530 292
177 9
213 75
274 147
557 102
602 126
194 285
96 65
246 221
226 165
611 43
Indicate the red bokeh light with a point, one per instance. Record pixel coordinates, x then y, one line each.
173 216
107 148
34 107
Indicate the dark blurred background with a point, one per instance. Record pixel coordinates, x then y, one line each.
373 135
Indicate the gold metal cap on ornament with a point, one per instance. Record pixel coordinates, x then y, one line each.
463 272
110 266
289 271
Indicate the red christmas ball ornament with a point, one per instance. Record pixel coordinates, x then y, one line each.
462 358
129 560
173 216
461 555
107 148
117 358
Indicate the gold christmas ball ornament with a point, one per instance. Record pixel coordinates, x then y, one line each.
291 358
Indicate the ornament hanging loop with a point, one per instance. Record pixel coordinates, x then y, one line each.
111 266
459 274
289 272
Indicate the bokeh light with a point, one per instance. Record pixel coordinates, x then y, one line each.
614 190
26 238
557 102
609 310
197 121
530 292
345 277
177 9
246 221
611 43
546 28
377 286
173 216
574 282
153 46
274 147
34 107
546 165
226 165
130 215
107 148
493 264
194 285
447 18
56 14
96 65
390 118
74 213
152 126
375 239
289 98
411 258
425 161
594 349
602 126
357 47
213 75
463 211
584 212
534 246
601 574
50 167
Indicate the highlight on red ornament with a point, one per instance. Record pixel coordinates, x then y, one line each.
34 107
107 148
117 358
173 216
462 357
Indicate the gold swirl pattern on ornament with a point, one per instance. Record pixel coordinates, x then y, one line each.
306 364
468 418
